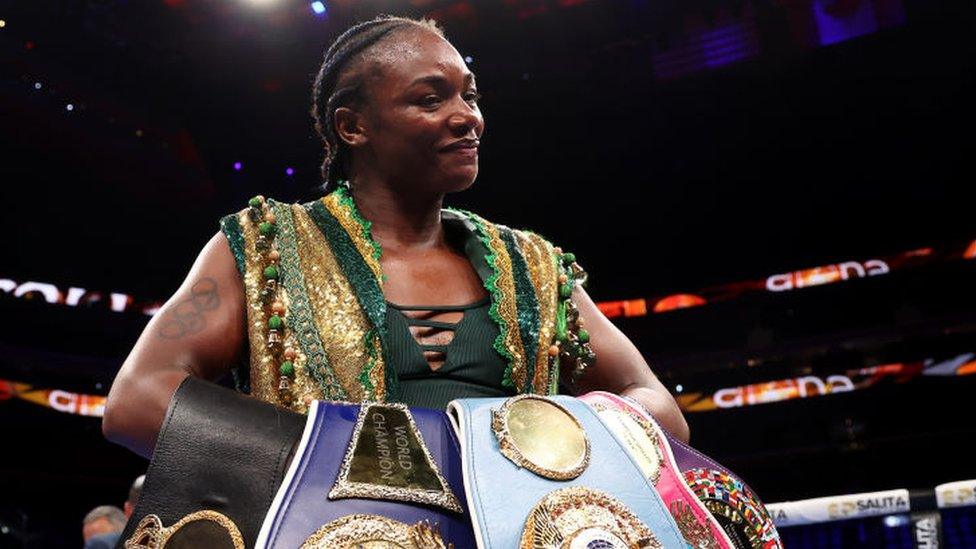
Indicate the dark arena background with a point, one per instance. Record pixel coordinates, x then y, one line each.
773 199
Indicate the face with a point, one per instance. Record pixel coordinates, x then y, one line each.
420 123
97 527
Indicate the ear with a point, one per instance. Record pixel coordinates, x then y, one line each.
349 127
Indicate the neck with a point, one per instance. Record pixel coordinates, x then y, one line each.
401 220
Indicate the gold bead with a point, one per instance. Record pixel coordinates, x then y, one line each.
290 353
563 278
269 217
553 350
274 255
278 308
558 250
308 400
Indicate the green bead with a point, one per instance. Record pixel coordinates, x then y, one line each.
255 202
569 258
287 368
266 228
566 290
275 322
271 272
583 335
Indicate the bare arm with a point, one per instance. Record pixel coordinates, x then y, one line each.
621 369
200 331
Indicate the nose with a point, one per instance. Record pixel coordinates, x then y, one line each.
465 119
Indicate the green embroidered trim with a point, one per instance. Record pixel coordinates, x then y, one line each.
360 276
300 318
345 199
526 304
231 228
496 294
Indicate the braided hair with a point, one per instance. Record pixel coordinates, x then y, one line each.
341 56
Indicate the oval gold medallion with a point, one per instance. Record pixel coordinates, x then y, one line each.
584 518
374 532
541 436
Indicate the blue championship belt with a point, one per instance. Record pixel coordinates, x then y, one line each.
545 472
371 475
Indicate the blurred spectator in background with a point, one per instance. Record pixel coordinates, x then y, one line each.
130 504
102 527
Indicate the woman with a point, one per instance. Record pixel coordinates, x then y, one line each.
398 111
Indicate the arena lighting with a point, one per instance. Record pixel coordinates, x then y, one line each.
468 59
2 23
318 8
289 171
37 85
261 3
238 166
69 107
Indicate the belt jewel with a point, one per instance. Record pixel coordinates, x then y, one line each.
200 529
375 532
743 517
387 459
542 436
583 518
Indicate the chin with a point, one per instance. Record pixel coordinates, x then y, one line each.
458 183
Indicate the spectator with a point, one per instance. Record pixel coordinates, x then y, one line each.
134 491
102 527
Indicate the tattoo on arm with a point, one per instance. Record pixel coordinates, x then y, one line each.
187 316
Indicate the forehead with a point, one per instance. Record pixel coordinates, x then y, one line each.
413 54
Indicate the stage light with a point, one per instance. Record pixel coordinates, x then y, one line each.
138 133
894 521
468 59
2 23
289 171
238 166
37 85
318 8
678 388
70 107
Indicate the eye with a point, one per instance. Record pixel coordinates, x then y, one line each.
430 100
472 96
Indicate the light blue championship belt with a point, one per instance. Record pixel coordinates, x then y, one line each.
371 475
545 472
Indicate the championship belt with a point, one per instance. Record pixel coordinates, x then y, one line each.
646 443
741 514
545 472
218 459
371 475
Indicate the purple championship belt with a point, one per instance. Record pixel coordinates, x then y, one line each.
369 474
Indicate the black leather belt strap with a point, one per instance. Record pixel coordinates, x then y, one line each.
217 450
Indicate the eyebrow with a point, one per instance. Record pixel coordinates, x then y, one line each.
436 78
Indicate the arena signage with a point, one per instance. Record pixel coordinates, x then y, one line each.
76 297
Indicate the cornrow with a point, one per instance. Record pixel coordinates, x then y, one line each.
326 98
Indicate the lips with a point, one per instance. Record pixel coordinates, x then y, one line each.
462 144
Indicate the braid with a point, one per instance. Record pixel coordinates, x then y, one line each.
326 98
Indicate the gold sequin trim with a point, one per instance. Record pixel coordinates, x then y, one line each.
506 306
342 322
346 218
541 261
264 369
